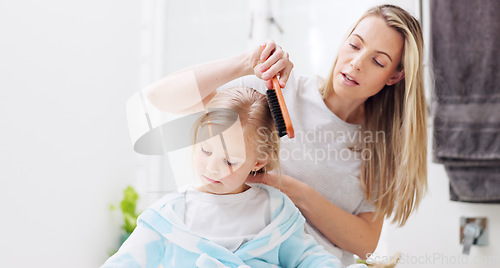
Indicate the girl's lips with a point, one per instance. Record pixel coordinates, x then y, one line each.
210 180
349 82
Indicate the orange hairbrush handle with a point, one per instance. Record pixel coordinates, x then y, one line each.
284 111
281 102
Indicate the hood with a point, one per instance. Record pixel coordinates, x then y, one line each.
166 217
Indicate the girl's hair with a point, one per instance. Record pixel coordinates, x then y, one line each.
252 109
395 176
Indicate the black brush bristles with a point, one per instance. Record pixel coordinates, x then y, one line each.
275 108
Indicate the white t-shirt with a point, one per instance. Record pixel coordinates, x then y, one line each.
321 153
228 220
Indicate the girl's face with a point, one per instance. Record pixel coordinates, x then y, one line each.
224 166
368 59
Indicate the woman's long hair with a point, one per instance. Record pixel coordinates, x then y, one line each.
395 174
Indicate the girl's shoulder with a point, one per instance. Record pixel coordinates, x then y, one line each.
269 189
171 201
277 197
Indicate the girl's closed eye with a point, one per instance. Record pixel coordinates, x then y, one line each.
354 46
206 151
229 163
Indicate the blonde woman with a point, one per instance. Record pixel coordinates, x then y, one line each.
359 155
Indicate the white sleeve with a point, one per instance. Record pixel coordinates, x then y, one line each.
364 207
251 81
256 83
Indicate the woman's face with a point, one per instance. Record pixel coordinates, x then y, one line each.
223 166
368 59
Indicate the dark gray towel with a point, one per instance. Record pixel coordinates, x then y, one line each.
466 98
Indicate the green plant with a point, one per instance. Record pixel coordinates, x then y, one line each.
128 207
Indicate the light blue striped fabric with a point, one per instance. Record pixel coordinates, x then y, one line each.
161 238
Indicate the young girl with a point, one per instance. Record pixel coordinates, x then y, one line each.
226 222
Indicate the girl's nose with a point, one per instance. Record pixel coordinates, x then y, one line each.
212 166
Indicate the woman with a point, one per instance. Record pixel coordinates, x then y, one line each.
360 149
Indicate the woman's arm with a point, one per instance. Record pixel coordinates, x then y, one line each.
189 89
357 234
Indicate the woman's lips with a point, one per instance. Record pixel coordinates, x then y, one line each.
348 81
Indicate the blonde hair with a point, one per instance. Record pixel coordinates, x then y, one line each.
252 109
395 176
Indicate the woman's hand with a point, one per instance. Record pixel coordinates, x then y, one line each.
270 179
290 186
269 60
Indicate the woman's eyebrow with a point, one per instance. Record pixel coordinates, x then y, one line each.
378 51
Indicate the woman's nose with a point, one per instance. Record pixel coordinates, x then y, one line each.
357 61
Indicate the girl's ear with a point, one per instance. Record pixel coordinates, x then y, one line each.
396 77
260 164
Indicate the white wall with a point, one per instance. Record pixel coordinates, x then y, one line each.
66 71
200 30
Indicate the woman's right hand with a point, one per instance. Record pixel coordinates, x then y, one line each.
269 60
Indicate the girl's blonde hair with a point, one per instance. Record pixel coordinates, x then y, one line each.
252 109
395 176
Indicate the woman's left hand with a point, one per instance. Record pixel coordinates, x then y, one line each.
290 186
270 179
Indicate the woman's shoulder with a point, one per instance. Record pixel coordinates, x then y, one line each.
301 85
302 81
295 82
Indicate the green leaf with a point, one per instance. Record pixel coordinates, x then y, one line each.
128 207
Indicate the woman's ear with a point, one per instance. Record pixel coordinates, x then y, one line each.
396 77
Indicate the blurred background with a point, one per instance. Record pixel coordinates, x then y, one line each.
67 69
